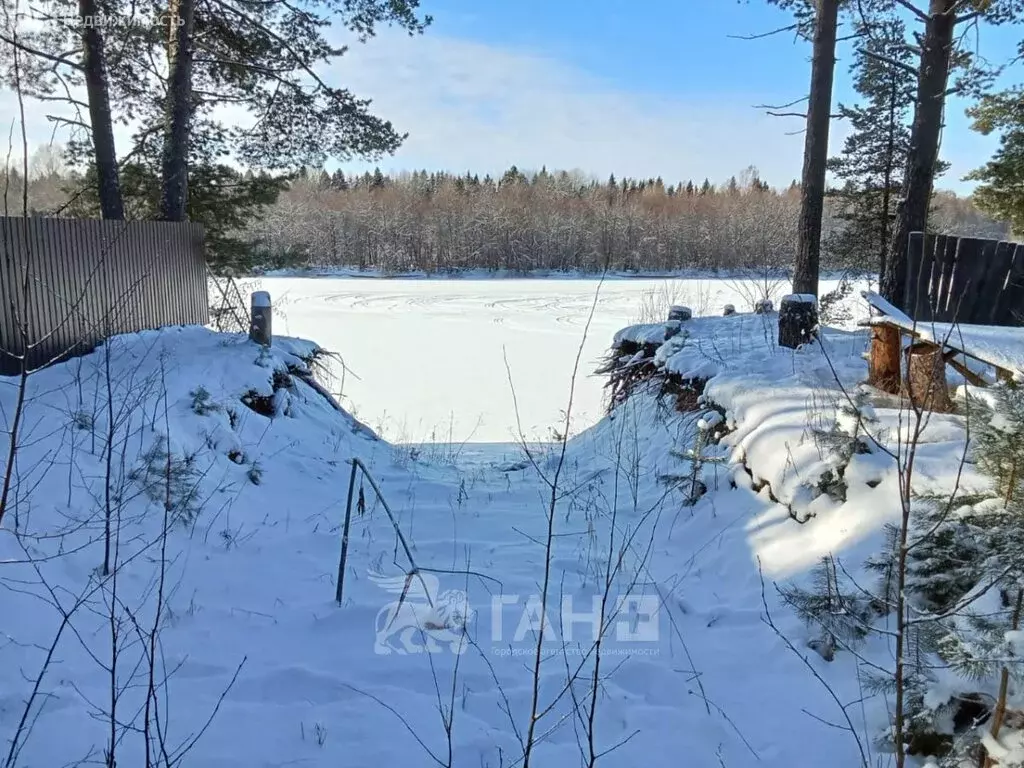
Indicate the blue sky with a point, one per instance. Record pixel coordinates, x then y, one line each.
652 88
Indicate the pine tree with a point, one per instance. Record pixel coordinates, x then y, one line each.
170 78
1001 192
511 177
872 161
938 48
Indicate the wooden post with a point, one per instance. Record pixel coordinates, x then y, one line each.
884 364
679 313
798 319
260 319
728 309
926 378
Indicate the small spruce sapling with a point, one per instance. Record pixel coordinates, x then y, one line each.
842 614
710 427
202 402
842 440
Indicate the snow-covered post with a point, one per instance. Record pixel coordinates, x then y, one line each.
798 319
259 323
679 313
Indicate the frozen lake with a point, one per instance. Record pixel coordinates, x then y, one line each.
431 354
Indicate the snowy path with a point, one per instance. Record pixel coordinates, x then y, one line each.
306 657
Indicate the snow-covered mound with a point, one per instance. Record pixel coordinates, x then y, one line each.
246 453
834 459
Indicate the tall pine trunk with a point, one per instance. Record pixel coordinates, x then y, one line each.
94 68
819 111
912 209
177 111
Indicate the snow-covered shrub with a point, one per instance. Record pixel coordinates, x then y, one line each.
202 402
842 439
274 403
170 480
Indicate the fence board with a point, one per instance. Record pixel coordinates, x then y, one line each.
89 279
1011 302
965 280
917 248
935 278
948 264
978 282
1000 269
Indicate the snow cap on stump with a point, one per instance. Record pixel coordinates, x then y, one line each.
260 318
679 313
798 319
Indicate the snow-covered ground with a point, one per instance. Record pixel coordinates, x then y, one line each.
430 354
251 642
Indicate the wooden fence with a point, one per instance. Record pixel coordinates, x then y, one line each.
66 284
965 279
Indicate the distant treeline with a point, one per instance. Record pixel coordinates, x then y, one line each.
439 222
559 221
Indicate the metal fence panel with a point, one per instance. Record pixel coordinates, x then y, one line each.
66 284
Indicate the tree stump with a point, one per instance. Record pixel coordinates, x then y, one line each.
763 307
728 309
798 319
926 378
260 319
884 363
680 313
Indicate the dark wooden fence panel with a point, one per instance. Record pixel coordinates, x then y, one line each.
964 279
66 284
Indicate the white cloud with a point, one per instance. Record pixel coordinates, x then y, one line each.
471 106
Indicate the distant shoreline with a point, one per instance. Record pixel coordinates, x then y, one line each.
483 274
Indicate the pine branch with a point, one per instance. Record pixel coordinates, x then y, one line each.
788 28
890 61
914 10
